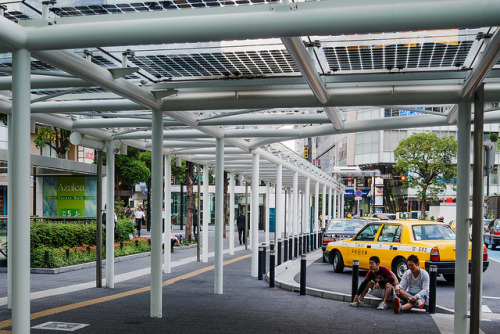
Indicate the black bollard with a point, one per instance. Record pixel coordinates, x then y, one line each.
308 239
88 249
304 244
285 250
290 248
300 244
259 266
271 245
303 267
314 240
271 268
137 243
432 288
279 253
320 239
67 254
355 277
264 266
121 244
295 248
47 263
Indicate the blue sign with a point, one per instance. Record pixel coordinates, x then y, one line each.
358 193
350 192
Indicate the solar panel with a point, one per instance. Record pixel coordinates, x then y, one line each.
149 6
273 62
397 56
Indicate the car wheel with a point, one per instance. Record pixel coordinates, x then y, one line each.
338 262
450 278
399 268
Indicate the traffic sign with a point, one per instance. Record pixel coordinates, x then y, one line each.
358 193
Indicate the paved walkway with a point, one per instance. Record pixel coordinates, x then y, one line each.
189 305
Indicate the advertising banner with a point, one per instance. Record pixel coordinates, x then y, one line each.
69 196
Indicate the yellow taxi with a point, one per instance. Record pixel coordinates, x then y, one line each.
393 241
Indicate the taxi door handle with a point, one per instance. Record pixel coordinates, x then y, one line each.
368 246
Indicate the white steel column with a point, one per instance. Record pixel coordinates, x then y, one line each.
341 195
323 207
19 166
335 199
307 207
206 214
167 267
295 205
316 207
219 215
10 187
330 203
462 242
156 219
266 214
280 205
110 214
231 213
289 210
254 216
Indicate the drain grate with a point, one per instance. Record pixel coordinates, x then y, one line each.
60 326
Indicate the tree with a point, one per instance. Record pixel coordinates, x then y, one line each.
129 169
429 162
56 138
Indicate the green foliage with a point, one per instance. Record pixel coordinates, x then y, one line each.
123 229
120 209
71 235
56 138
129 169
429 161
3 118
493 137
62 235
178 173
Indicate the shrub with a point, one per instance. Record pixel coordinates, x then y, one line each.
62 235
69 235
123 229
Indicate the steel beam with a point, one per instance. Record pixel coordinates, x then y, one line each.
219 217
310 18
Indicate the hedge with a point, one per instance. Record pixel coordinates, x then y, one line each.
69 235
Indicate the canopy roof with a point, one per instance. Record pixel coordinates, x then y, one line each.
254 72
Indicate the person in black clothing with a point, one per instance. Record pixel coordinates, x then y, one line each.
195 222
240 222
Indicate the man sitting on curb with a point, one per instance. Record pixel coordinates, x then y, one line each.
413 289
381 280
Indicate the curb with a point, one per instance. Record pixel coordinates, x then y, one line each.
60 270
289 269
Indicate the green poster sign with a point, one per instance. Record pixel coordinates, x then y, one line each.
70 192
69 196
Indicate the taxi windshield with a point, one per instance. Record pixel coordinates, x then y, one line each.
344 226
433 232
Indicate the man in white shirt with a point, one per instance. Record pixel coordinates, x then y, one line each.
414 287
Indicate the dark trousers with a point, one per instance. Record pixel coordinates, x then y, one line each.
241 232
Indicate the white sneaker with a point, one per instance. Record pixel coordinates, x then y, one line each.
358 303
382 306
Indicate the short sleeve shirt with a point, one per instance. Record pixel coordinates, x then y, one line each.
382 273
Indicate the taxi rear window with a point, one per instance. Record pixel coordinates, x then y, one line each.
433 232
